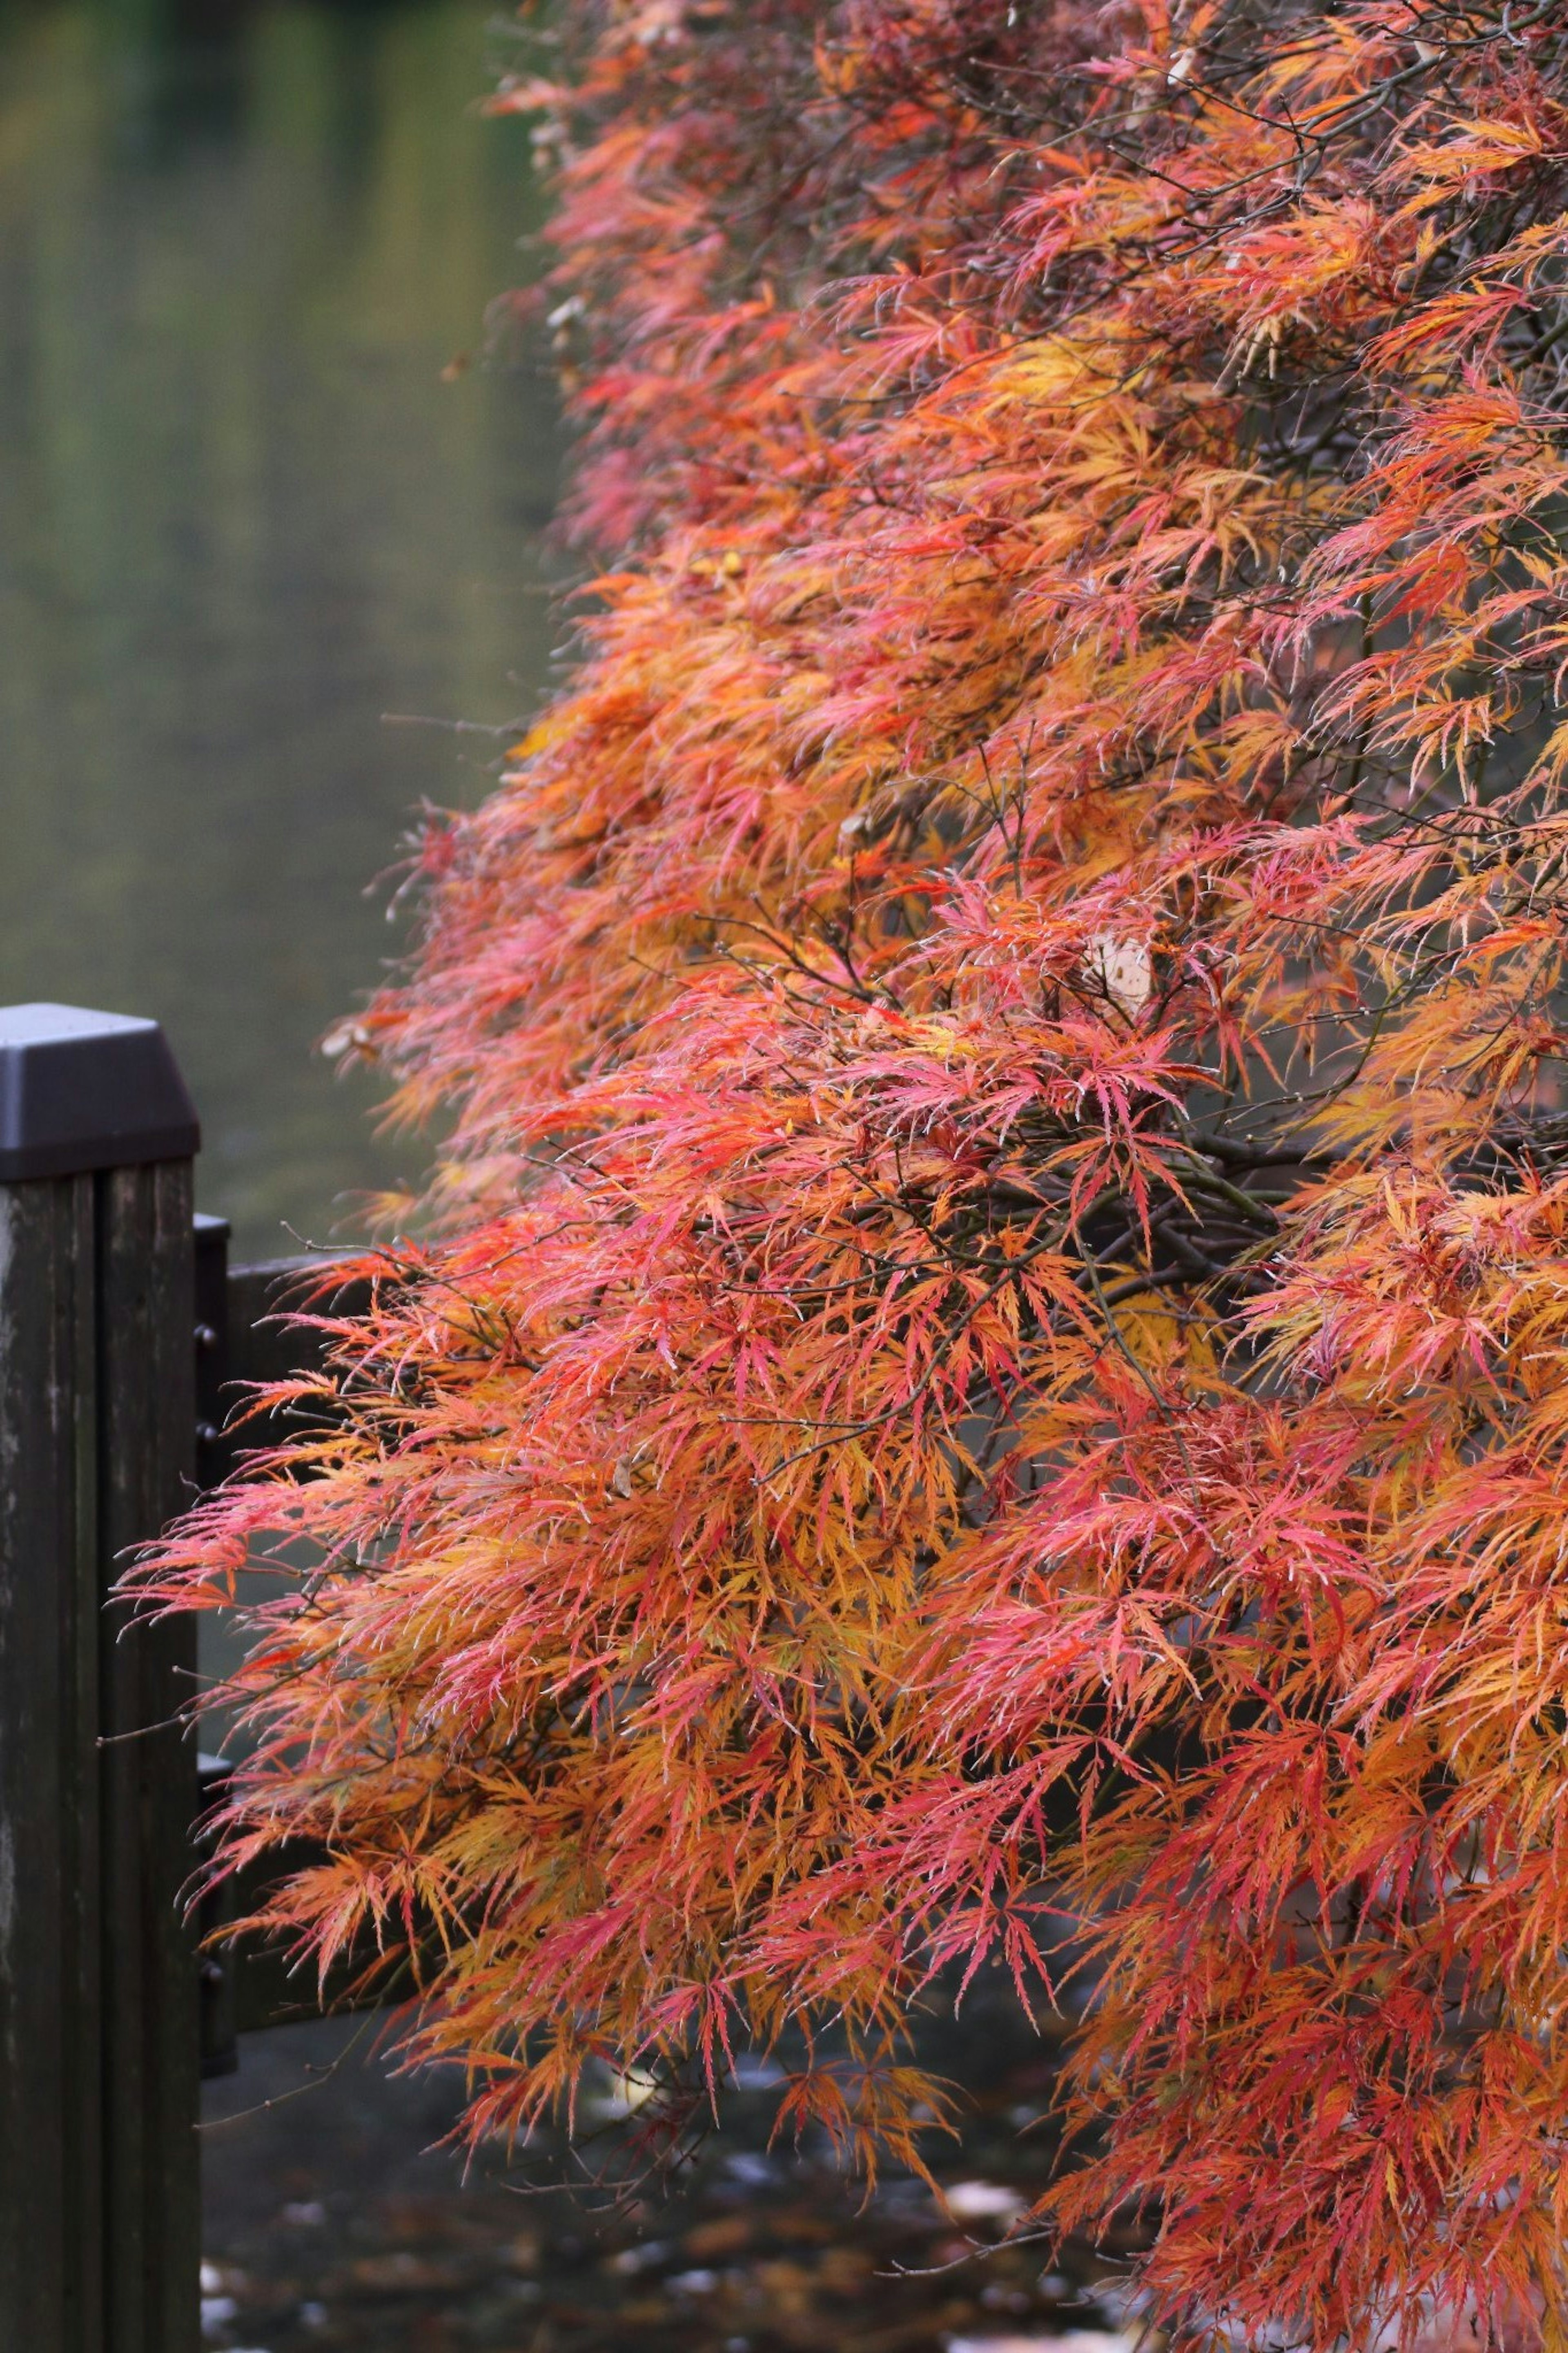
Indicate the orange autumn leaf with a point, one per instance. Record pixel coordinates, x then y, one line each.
987 1382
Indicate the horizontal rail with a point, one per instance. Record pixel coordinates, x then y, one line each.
244 1337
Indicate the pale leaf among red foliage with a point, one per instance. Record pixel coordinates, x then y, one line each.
994 1356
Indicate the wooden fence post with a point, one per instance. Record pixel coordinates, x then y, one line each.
100 2199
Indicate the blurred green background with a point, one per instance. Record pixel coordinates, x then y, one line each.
247 509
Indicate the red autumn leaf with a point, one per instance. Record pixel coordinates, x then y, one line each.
989 1381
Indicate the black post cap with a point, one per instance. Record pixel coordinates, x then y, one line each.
80 1090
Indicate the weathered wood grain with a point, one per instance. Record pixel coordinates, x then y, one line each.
147 1464
98 2186
51 2285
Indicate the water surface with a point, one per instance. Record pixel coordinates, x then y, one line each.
247 507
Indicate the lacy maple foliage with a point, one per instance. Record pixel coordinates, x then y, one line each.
992 1377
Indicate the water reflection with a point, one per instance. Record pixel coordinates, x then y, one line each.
242 517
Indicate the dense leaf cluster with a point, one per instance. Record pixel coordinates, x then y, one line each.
995 1379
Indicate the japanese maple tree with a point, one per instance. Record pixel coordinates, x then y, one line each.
991 1378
